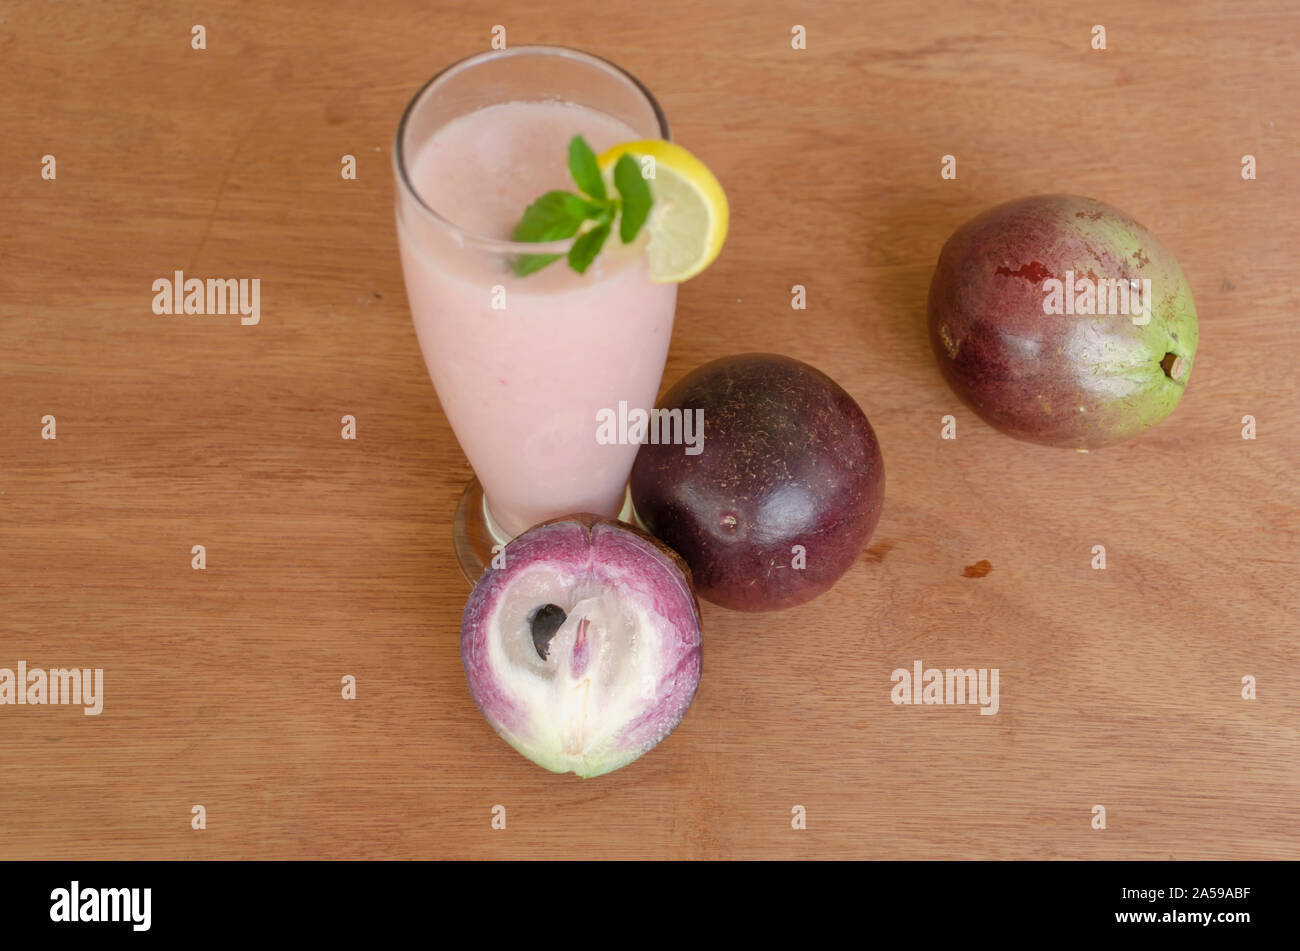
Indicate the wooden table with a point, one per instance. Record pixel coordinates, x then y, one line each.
327 558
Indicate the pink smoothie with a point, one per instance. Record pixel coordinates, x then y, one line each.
522 366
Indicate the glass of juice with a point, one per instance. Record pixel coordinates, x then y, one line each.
524 365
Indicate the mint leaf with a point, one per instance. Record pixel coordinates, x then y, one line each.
554 216
583 168
527 264
558 215
587 246
636 197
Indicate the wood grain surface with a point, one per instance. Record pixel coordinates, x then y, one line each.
327 557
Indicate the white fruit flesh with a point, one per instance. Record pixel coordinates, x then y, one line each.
600 672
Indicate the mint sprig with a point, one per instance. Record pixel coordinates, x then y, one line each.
558 214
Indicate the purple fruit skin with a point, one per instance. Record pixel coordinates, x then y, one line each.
788 459
1078 381
579 547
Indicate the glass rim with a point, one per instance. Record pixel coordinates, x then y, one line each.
465 236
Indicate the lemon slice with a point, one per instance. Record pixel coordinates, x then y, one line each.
688 221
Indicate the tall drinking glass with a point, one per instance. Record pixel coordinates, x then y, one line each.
523 365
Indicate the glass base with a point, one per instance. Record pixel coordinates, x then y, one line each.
474 532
